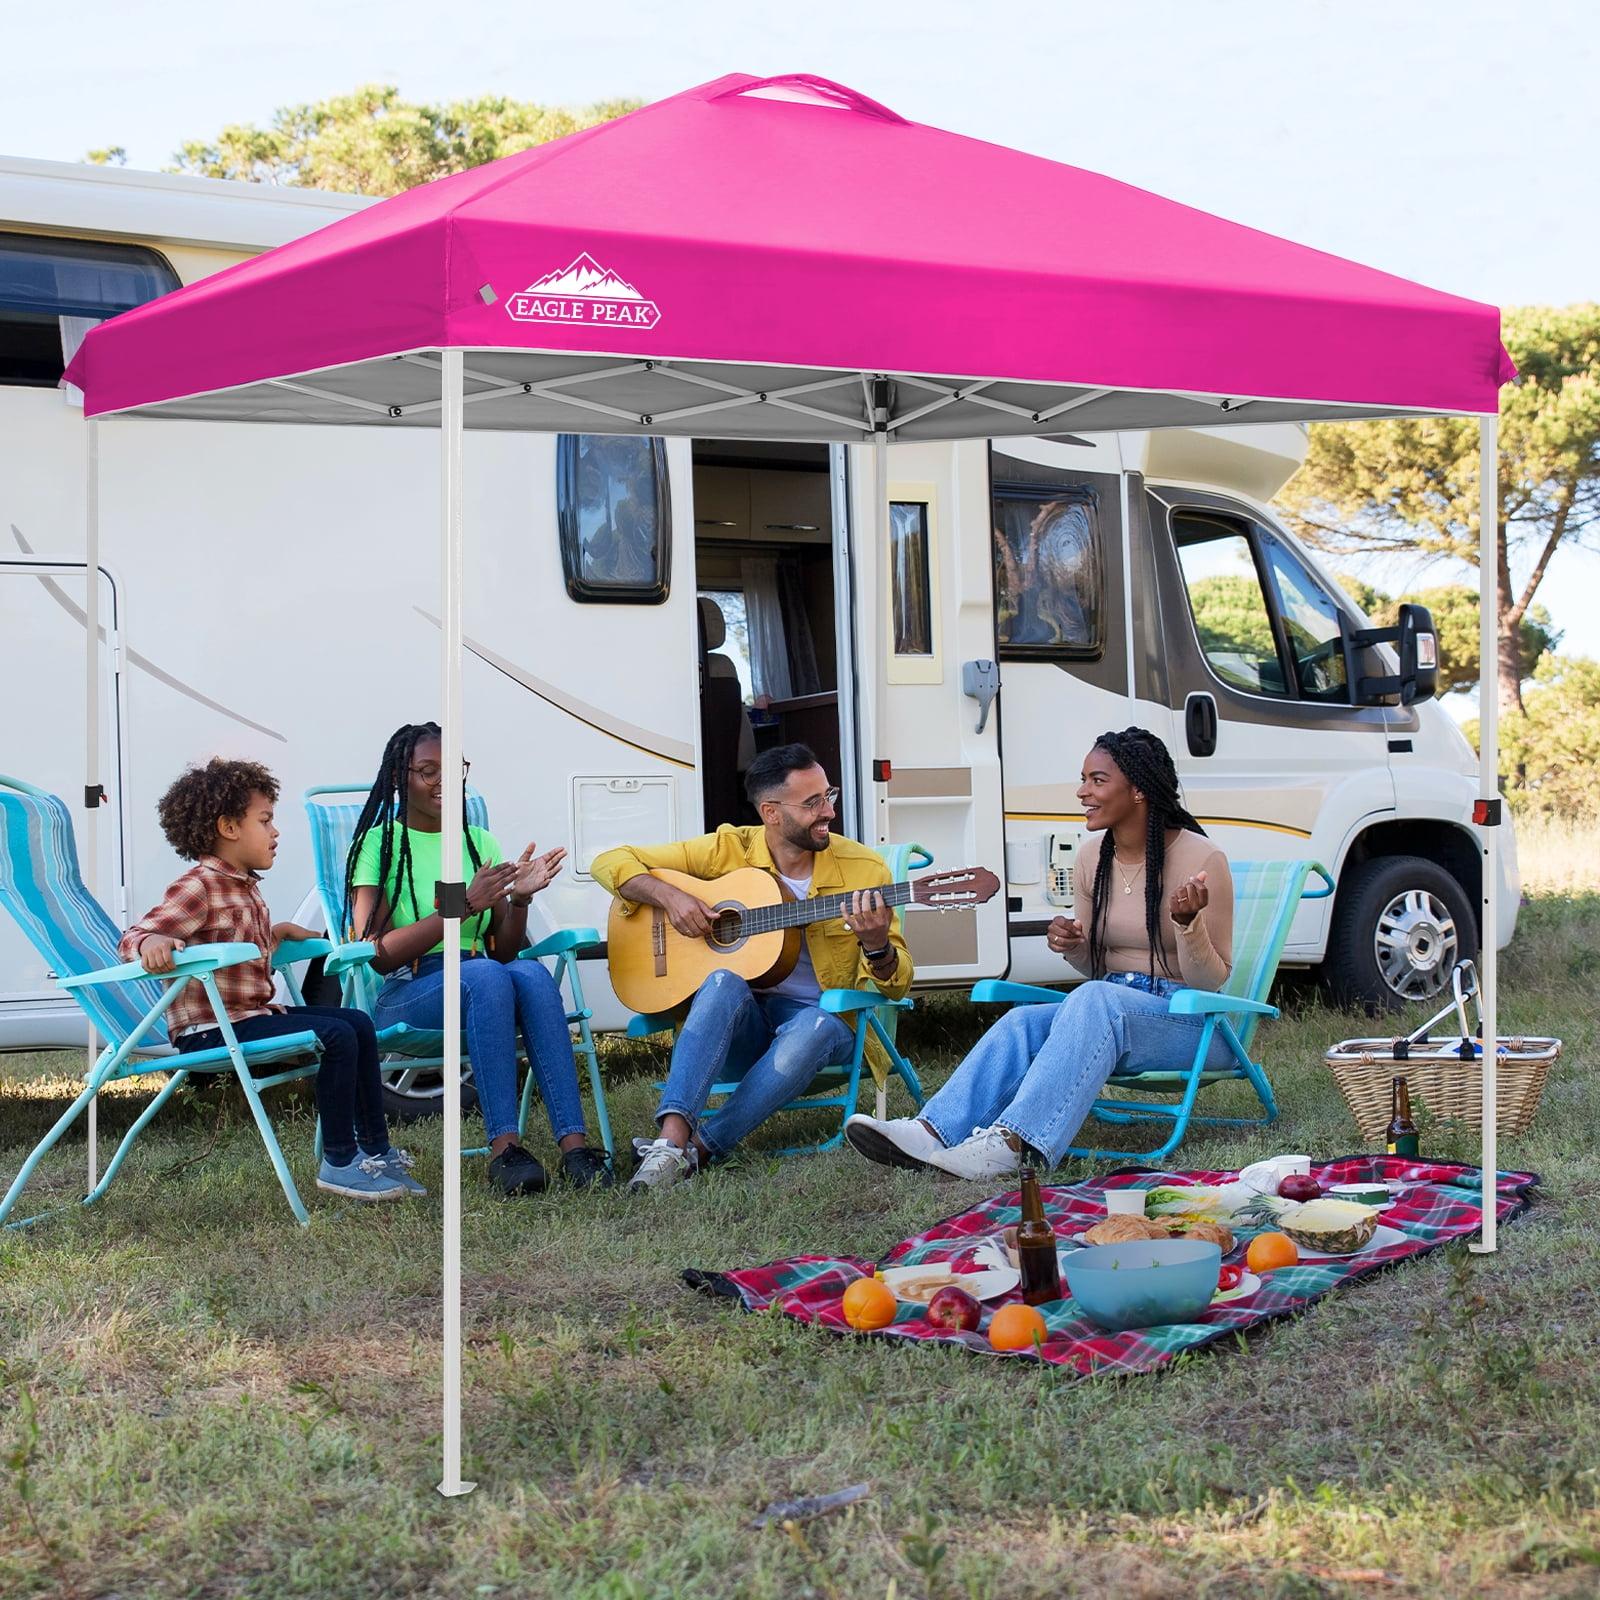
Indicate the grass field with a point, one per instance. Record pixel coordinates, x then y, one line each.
198 1398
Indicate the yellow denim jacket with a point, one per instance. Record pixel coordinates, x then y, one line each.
835 952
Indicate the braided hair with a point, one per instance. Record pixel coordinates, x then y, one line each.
385 809
1147 764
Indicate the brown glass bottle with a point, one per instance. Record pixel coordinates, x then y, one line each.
1400 1138
1036 1246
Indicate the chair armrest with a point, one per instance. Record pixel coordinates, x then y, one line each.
566 939
1308 893
188 963
642 1025
1205 1003
837 1000
993 991
295 950
342 957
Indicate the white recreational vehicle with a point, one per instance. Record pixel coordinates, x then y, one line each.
643 614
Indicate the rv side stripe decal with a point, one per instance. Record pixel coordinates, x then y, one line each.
1215 822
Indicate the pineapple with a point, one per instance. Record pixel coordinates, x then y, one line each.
1334 1227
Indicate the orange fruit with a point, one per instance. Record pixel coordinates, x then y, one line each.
1016 1327
869 1303
1269 1250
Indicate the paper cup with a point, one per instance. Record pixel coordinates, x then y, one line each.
1124 1202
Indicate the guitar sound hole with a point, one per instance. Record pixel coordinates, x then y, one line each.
727 928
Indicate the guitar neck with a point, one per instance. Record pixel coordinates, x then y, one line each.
796 913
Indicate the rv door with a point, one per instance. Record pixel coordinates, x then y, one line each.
927 626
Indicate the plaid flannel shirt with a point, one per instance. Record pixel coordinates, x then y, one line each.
212 903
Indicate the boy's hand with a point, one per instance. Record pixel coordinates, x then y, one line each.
292 931
155 952
534 872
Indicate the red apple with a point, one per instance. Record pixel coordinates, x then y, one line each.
954 1308
1299 1186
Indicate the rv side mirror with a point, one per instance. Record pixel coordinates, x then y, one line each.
1417 645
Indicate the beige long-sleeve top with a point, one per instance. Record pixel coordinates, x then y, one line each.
1199 955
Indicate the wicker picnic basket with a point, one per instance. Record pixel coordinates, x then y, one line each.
1444 1072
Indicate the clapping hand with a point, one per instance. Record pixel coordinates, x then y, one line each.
1189 899
535 872
489 884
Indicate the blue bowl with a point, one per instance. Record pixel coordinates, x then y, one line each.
1143 1284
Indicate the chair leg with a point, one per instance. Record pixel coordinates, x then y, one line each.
845 1100
125 1144
96 1081
586 1048
1180 1114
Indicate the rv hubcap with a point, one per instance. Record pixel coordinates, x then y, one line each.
1415 944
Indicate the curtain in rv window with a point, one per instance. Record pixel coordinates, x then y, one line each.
1049 573
908 565
52 291
614 518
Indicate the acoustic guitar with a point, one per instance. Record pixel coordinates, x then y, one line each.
755 931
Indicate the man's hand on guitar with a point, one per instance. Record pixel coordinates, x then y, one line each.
868 918
691 917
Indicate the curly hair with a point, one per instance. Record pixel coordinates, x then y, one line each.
191 809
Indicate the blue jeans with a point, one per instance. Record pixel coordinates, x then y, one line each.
1037 1070
349 1084
779 1043
496 1000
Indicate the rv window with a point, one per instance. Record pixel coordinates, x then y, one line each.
1048 573
1229 606
616 528
908 564
1310 621
53 290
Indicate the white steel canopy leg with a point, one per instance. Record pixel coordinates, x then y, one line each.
1489 791
450 823
91 723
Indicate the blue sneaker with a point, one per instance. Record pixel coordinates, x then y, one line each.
397 1163
364 1178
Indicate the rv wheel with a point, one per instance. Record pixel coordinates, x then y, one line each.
412 1092
1399 925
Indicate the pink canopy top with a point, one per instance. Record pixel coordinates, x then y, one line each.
793 224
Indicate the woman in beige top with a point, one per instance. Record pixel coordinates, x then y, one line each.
1160 919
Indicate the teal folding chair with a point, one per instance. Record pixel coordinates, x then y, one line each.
836 1087
43 889
1266 895
333 817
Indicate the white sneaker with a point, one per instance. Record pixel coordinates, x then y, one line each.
983 1154
893 1141
661 1164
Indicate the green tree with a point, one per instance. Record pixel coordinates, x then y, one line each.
112 155
1411 484
373 142
1554 745
1454 607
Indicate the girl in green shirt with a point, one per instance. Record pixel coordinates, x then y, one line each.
389 877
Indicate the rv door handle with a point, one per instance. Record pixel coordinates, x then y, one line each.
1200 724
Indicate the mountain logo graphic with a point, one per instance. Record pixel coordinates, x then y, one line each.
583 292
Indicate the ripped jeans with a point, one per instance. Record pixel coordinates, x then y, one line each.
779 1043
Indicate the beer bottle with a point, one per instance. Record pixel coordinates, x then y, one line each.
1400 1138
1036 1246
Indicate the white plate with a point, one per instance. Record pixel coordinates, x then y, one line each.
1242 1290
1381 1239
907 1283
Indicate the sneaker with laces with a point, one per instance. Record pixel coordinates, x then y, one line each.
398 1164
662 1164
360 1178
587 1168
985 1153
515 1172
893 1141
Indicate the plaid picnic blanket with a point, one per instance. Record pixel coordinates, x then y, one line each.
1442 1204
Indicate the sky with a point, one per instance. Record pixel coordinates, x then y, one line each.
1449 141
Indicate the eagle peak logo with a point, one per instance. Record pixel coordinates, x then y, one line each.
583 292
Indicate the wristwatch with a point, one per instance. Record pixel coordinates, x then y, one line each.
873 957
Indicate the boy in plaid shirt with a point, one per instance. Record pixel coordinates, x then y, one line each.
220 817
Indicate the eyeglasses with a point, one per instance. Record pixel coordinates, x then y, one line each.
430 771
810 808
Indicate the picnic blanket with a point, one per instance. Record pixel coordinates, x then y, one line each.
1441 1204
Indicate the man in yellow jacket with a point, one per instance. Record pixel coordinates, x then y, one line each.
777 1038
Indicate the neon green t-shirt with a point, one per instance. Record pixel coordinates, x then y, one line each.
404 910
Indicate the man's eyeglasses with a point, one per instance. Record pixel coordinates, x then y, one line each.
810 808
430 771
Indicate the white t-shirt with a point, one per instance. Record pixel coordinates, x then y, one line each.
801 984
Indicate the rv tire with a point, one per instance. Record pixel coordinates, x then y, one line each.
1400 924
